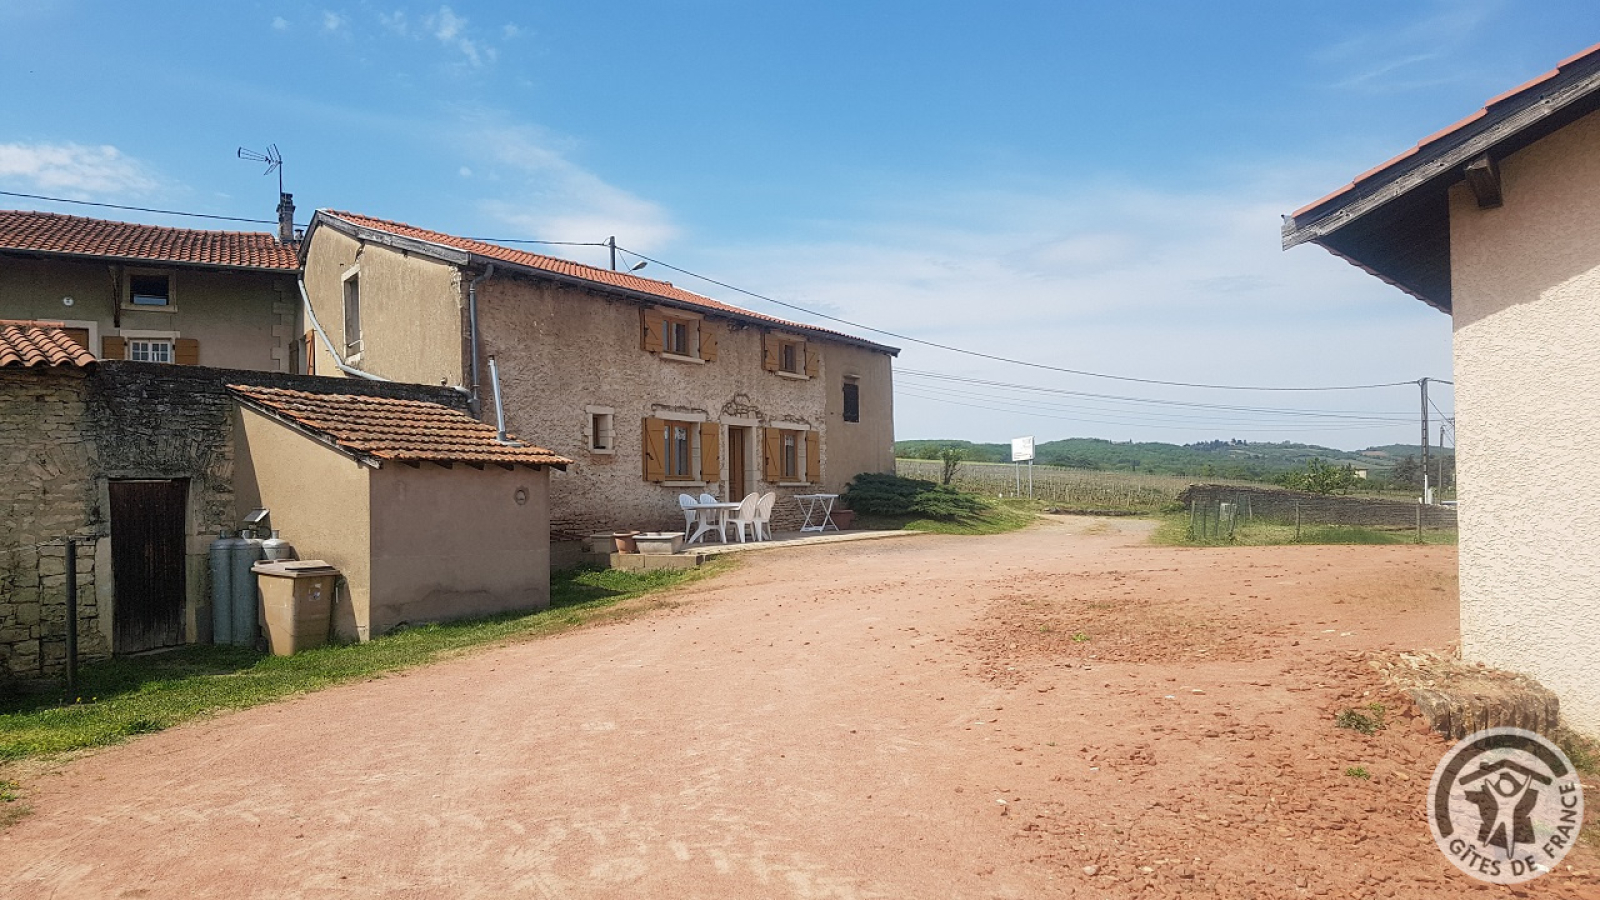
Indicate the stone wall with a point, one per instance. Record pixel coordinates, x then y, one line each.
66 433
47 494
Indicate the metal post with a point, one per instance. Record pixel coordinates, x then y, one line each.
72 615
1419 523
612 243
1297 520
1424 384
1030 479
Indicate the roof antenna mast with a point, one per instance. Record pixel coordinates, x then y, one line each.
272 158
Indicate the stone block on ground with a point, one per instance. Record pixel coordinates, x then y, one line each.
1457 698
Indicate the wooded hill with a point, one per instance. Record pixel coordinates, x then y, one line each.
1240 460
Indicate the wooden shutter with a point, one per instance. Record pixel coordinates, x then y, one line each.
812 359
708 341
769 352
311 353
650 323
813 441
80 336
655 450
772 460
710 452
186 352
113 348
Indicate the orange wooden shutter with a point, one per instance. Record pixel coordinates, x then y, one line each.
708 341
80 336
113 348
772 460
650 323
186 352
813 456
311 353
710 467
769 352
812 359
655 450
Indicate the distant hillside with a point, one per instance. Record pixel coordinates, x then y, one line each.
1240 460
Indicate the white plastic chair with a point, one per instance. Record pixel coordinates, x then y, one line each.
691 517
763 526
746 515
713 515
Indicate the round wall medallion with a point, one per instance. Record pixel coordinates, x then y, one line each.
521 496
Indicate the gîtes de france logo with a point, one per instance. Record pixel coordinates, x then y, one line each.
1505 805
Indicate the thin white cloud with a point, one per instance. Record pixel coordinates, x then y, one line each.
451 30
1413 55
332 22
279 23
540 193
76 170
510 30
395 22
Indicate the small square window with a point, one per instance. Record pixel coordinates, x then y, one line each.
149 290
156 351
789 357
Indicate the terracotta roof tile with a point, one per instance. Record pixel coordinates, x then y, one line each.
625 280
42 232
1512 94
398 430
29 344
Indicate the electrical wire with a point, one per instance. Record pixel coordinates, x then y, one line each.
1035 413
145 209
1006 359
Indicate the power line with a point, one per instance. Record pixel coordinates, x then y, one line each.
144 209
1035 413
1007 359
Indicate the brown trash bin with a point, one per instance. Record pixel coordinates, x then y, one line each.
296 603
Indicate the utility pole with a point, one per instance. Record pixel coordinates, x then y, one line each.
1426 498
612 243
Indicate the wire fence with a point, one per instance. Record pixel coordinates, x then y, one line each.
1239 514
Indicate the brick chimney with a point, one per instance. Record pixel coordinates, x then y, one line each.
286 218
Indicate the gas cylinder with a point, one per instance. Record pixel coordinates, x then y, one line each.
220 555
246 553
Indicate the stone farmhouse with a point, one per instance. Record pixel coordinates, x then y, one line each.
650 389
1495 221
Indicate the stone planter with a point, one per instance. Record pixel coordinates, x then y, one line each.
844 518
625 541
659 543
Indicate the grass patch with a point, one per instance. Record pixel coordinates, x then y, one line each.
119 698
1174 531
1367 720
1358 772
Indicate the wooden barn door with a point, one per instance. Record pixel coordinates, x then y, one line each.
147 566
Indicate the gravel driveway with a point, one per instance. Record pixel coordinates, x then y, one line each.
1057 712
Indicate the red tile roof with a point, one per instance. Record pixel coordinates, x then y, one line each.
570 269
399 430
1516 94
53 233
29 344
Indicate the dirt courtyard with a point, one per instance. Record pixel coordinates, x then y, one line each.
1059 712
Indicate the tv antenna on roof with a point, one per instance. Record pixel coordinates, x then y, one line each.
272 158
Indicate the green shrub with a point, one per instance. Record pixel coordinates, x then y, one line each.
891 495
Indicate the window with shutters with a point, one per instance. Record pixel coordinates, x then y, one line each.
793 456
852 400
682 452
677 335
145 350
149 289
789 357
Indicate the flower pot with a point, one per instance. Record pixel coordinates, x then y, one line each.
844 518
625 542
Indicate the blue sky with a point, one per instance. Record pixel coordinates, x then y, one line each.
1092 186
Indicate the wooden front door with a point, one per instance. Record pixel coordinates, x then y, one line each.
736 463
147 566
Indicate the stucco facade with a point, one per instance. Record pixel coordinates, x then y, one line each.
584 371
1526 295
423 544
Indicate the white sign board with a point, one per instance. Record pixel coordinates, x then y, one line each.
1021 449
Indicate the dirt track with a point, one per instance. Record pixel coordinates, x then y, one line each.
916 718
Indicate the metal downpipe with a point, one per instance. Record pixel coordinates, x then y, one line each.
472 326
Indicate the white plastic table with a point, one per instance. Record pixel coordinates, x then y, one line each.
703 526
810 504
